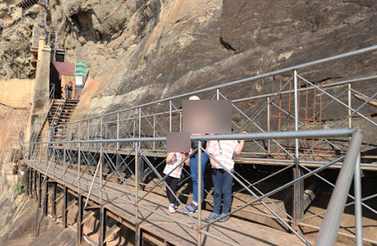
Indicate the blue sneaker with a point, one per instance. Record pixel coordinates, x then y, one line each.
226 218
212 216
191 208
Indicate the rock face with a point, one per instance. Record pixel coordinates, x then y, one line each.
18 225
16 59
143 50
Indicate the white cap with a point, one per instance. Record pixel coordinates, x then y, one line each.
194 98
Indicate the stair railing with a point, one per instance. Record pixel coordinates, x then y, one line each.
56 118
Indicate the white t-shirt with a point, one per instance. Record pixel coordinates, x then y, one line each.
223 152
177 159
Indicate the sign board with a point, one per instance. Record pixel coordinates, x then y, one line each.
80 69
78 82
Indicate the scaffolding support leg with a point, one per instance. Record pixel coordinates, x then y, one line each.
79 220
27 182
103 226
40 190
64 209
53 199
45 203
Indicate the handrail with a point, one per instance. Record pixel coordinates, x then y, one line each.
330 225
56 118
329 85
248 136
264 75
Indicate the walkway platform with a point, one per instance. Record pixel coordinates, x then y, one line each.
156 220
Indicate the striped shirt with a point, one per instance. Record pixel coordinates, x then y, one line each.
223 152
177 159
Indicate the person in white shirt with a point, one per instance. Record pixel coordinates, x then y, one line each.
222 151
173 160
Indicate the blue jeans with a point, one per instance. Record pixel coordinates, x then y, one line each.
194 174
222 183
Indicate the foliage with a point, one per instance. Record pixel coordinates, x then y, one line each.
19 188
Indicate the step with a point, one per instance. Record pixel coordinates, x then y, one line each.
71 204
87 216
112 231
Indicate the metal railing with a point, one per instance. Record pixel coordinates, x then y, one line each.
139 130
161 116
56 159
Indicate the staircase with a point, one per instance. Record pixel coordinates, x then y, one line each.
60 113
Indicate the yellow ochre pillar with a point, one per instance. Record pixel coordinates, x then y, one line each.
41 44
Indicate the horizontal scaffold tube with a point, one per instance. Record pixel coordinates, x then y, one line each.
248 136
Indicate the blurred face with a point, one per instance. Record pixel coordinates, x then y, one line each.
207 116
177 142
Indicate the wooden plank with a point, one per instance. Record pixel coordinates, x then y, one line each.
124 222
92 208
71 204
372 102
58 197
87 216
113 230
153 239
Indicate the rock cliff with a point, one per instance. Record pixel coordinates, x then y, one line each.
16 59
142 50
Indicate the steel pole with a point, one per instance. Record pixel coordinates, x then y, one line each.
268 124
117 158
330 225
78 168
154 132
297 187
101 129
139 126
170 117
358 208
137 239
101 194
199 234
180 122
248 136
64 161
349 105
88 133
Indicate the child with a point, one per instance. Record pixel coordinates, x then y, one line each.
222 181
172 160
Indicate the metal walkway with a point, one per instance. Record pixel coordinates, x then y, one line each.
127 148
99 184
155 220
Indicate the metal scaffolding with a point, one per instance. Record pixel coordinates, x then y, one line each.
288 125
